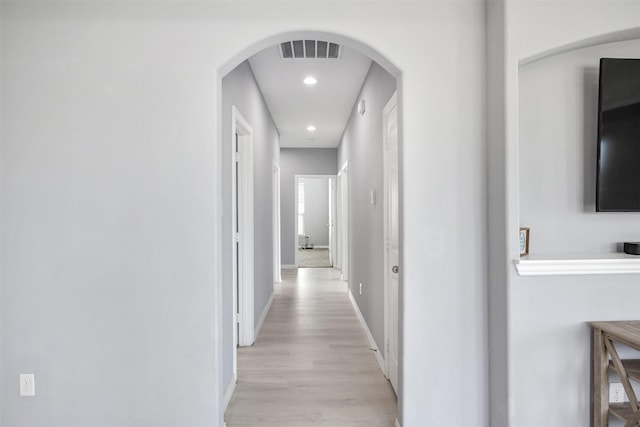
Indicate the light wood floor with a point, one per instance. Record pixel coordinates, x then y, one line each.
317 257
311 364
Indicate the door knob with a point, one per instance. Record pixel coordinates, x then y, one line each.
395 269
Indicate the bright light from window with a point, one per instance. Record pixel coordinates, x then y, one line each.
300 207
310 80
311 128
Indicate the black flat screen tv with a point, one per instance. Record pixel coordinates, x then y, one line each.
618 174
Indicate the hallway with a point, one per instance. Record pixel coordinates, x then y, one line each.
311 364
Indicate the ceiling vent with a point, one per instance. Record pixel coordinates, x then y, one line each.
298 49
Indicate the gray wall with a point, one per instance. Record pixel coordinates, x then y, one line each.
239 88
316 210
362 146
558 160
109 165
558 99
110 185
299 161
107 232
527 311
498 316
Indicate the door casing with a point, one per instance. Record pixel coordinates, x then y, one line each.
242 219
391 239
331 179
343 221
277 257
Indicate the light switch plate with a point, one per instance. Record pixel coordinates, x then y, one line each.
361 107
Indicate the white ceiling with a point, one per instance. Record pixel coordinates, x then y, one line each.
294 105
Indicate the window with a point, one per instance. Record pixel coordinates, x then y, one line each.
300 208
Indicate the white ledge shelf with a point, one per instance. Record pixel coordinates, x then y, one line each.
568 264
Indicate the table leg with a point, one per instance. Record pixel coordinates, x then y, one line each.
600 389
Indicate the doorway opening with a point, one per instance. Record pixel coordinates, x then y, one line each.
353 213
314 220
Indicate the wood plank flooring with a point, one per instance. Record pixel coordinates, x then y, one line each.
317 257
311 364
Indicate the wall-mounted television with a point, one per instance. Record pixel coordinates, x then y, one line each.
618 175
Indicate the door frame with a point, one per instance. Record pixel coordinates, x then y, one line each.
297 178
388 326
277 256
343 220
332 221
242 220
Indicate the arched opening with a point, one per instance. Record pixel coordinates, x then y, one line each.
360 46
363 263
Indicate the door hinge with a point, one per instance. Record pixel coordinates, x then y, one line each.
237 237
236 157
237 319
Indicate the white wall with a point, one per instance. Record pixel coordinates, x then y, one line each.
239 89
1 259
316 210
111 186
548 105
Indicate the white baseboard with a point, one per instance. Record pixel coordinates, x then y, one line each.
288 266
229 393
263 315
398 423
372 342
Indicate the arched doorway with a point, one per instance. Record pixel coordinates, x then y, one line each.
376 200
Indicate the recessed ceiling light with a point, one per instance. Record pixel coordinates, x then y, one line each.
311 128
310 80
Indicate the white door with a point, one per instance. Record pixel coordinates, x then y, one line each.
343 221
391 232
338 244
275 188
242 218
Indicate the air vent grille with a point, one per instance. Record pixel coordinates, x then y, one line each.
298 49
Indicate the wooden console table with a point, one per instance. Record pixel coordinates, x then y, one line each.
605 356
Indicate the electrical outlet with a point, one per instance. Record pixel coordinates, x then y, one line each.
360 288
616 393
27 385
